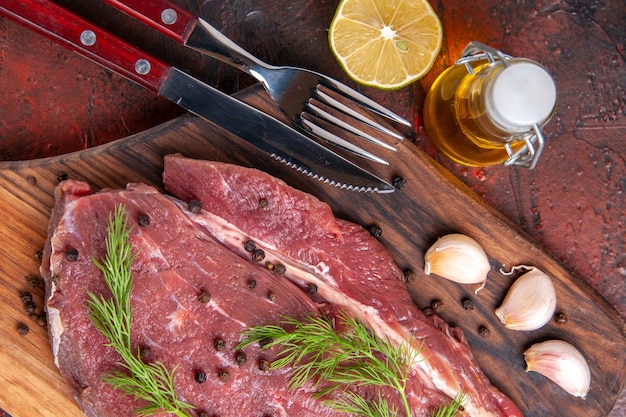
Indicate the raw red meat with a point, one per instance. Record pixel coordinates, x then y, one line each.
347 266
185 252
177 262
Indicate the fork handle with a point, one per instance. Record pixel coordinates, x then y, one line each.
88 40
192 31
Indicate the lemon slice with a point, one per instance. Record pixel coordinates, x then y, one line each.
385 43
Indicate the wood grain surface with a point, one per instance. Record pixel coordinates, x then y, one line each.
433 202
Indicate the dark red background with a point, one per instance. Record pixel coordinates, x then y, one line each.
572 204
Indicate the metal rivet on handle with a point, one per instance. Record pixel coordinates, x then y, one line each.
169 16
142 66
88 37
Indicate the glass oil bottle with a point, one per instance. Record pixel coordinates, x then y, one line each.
489 109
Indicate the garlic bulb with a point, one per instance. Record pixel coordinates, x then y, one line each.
530 302
562 363
458 258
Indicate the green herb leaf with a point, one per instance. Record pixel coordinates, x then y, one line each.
354 404
152 382
451 409
354 357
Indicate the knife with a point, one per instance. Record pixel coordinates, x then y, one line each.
268 134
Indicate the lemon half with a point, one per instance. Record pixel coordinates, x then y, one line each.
385 43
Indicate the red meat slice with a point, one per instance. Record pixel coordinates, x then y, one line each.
176 263
304 261
347 267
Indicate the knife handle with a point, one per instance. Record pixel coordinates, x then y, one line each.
88 40
167 18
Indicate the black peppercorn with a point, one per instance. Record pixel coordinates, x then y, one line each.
483 331
41 321
264 365
219 344
34 281
272 296
200 377
398 182
467 304
311 289
258 255
409 275
194 206
23 329
249 246
263 203
437 306
62 176
30 307
560 318
144 353
264 342
71 255
280 269
223 376
241 358
143 220
204 297
26 297
252 284
376 231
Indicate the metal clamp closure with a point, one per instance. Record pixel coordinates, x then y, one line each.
476 51
528 155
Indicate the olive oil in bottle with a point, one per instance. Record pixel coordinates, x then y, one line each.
488 109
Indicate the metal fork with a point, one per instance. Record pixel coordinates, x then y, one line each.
309 99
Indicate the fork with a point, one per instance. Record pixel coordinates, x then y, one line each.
309 99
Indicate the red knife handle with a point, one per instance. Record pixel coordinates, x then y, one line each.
88 40
167 18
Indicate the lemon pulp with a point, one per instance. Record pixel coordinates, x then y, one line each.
385 43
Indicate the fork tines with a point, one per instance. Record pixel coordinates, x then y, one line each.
362 100
333 104
324 130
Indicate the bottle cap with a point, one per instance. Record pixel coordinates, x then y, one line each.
521 95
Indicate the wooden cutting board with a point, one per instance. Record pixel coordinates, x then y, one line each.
432 203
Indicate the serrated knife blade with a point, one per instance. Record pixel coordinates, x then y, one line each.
268 134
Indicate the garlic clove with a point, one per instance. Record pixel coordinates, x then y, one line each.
459 258
562 363
530 302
